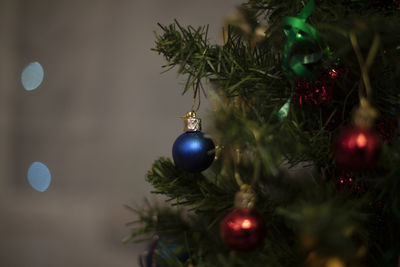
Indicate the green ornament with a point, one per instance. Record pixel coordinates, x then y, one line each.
298 32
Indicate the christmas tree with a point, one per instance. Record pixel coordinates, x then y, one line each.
302 164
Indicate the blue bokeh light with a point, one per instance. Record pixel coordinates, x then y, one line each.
32 76
39 176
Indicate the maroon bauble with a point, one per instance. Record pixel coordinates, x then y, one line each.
356 148
311 93
243 230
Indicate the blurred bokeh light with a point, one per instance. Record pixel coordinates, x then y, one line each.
32 76
39 176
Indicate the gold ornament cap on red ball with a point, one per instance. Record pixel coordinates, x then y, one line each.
365 114
245 198
358 148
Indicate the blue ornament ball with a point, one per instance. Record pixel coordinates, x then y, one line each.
166 250
192 152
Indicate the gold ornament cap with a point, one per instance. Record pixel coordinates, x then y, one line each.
365 114
191 122
245 198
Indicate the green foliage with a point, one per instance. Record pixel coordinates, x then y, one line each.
309 220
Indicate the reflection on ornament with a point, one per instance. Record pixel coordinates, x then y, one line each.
333 73
361 140
246 224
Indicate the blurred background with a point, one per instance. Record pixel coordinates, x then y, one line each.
101 116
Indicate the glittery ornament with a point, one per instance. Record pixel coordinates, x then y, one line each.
311 93
356 148
192 151
243 230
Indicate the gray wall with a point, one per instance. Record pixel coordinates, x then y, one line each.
101 116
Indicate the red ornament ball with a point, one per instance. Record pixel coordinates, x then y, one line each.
243 230
357 148
312 93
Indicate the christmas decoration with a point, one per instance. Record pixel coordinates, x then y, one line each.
252 83
312 93
192 151
243 229
301 34
356 148
309 50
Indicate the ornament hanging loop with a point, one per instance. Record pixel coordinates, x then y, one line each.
365 114
196 97
236 156
365 64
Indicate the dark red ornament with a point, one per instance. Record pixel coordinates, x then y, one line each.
356 148
311 93
243 230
